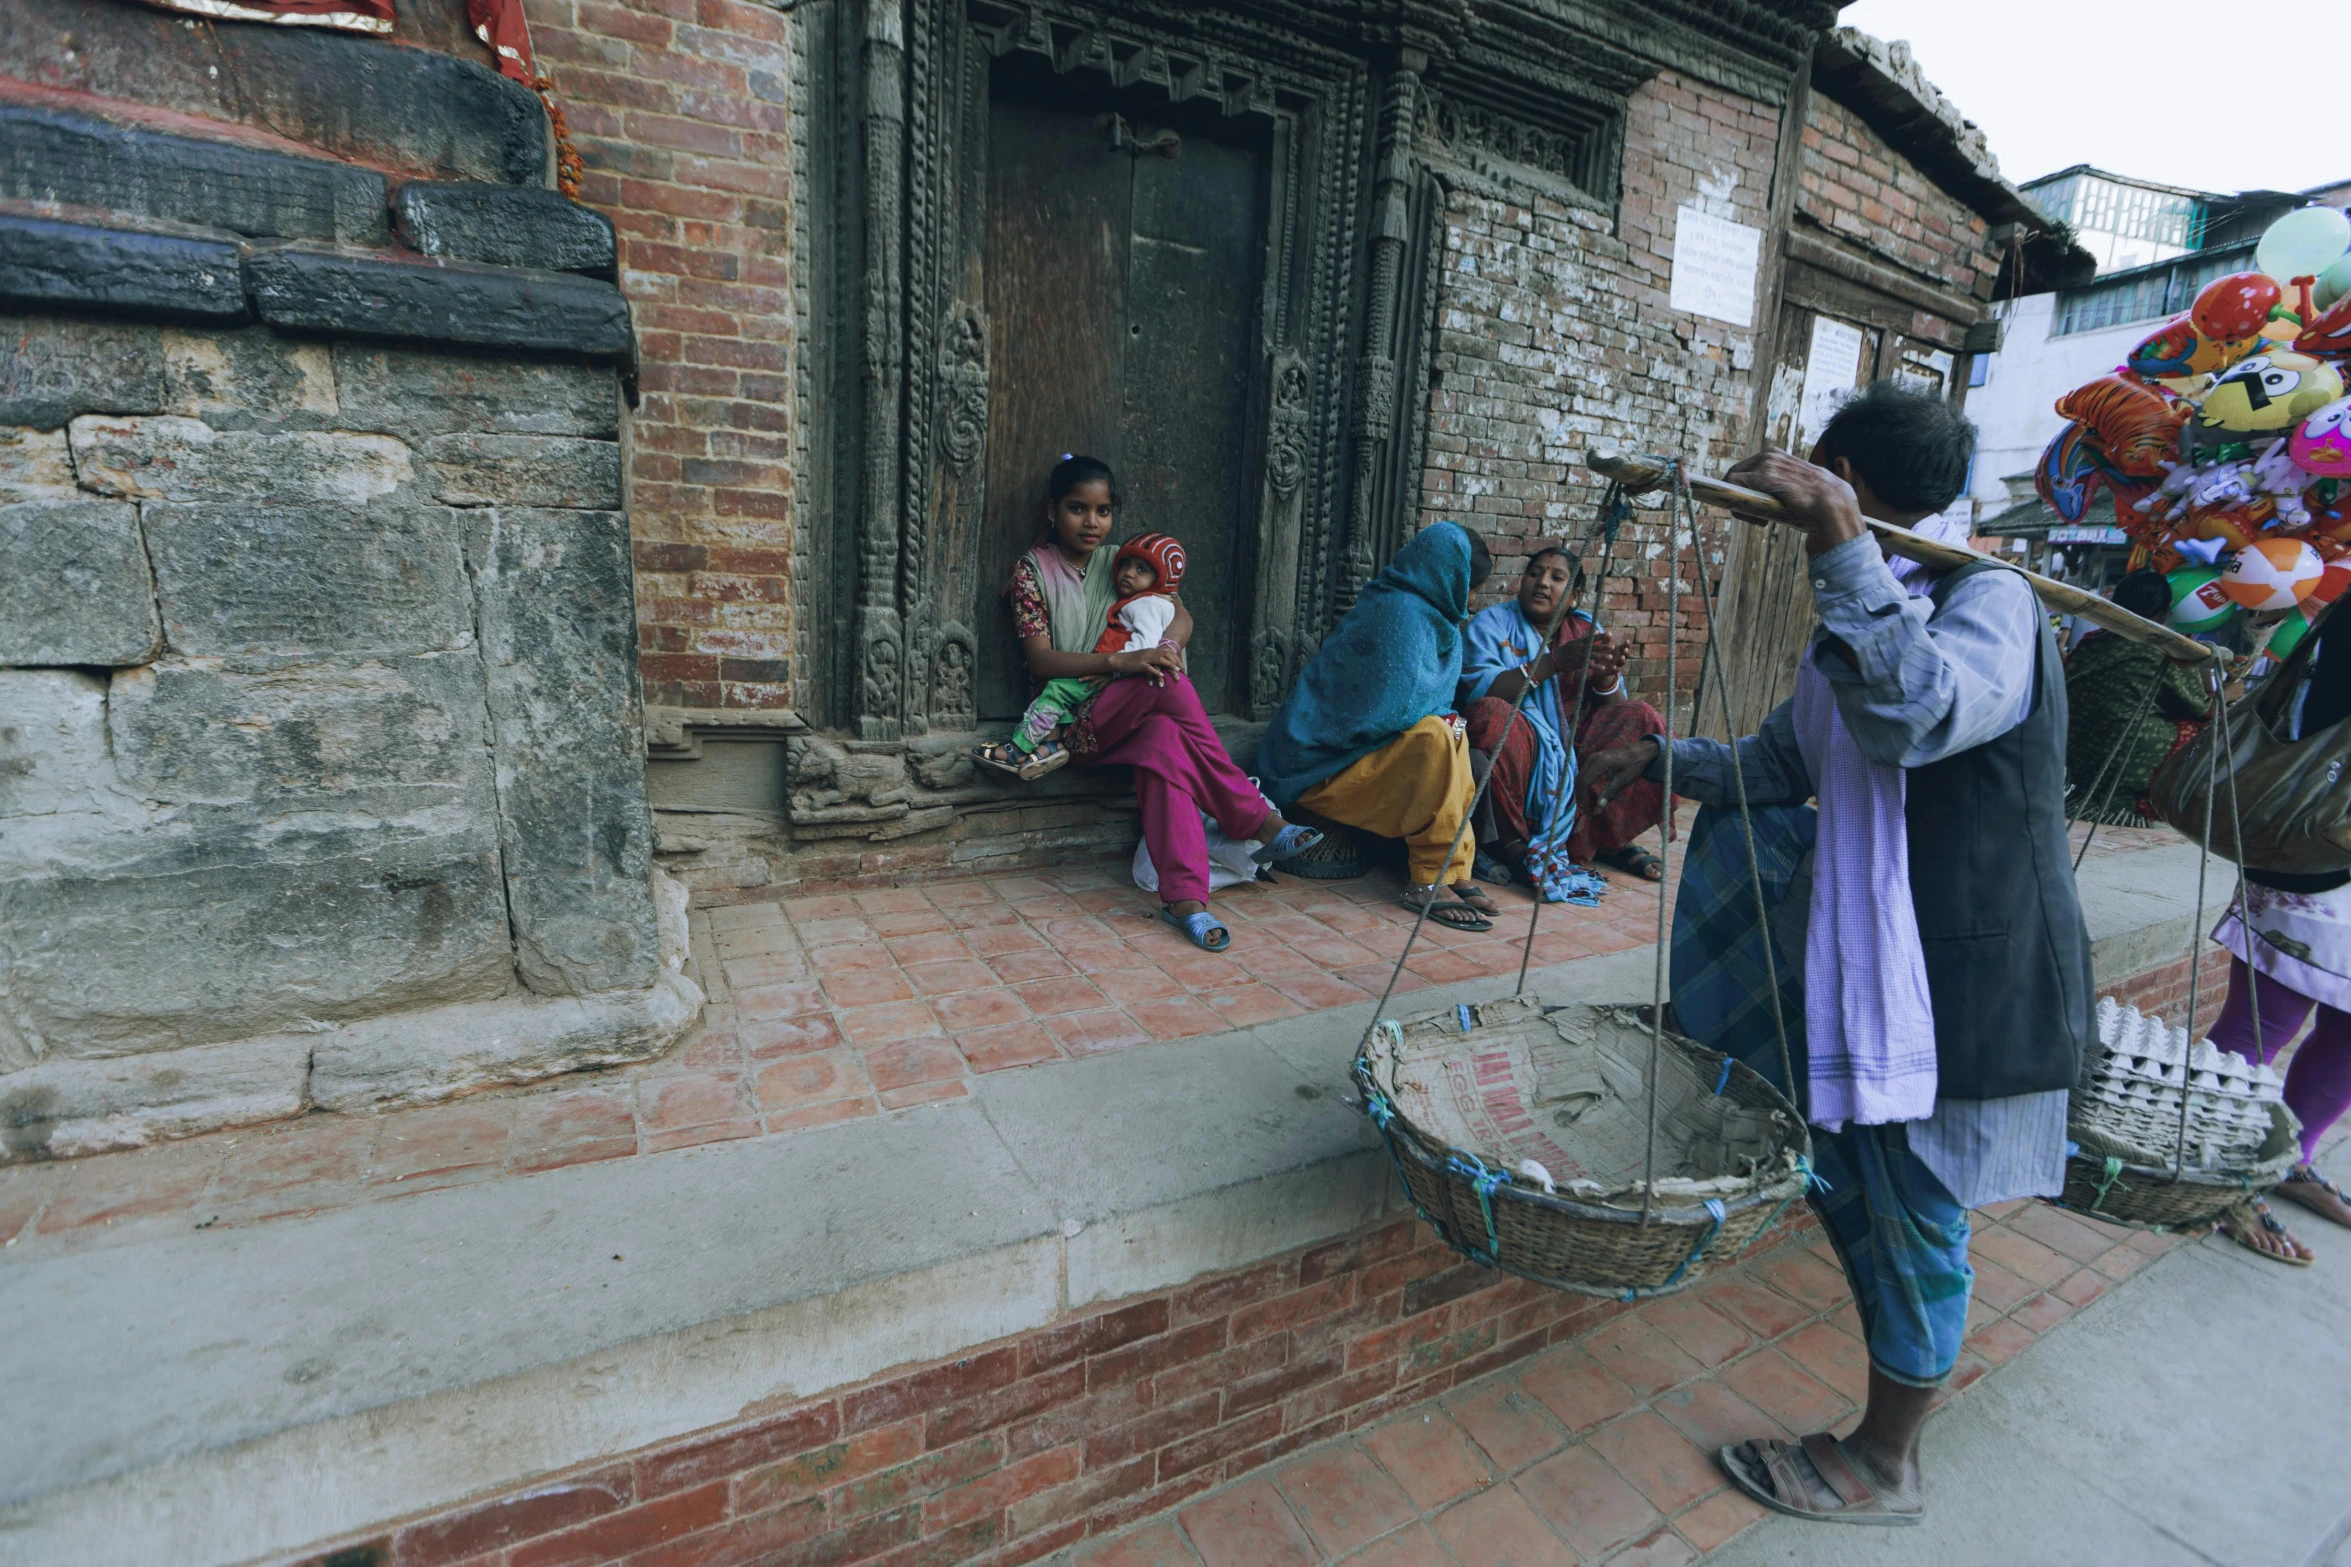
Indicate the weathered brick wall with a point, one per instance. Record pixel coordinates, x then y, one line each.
680 111
1852 184
1554 335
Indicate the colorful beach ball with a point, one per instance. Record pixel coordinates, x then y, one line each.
2273 574
2197 604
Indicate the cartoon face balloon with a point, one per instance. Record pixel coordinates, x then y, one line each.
2270 392
2330 334
2177 349
2321 444
2235 306
2135 426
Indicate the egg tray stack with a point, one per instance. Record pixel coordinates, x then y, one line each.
2125 1125
1520 1133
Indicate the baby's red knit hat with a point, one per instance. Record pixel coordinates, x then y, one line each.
1161 553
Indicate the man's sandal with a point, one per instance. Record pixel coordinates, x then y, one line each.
2252 1226
2303 1184
1288 844
1444 909
1768 1470
1472 894
1633 860
1206 931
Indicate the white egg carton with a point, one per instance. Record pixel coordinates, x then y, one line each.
2132 1079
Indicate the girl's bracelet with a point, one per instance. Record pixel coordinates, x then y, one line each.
1613 688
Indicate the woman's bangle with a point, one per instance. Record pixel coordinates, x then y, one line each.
1613 688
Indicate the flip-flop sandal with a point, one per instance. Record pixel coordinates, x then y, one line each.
1206 931
1044 759
2241 1223
1475 897
1858 1502
1287 844
1488 869
1445 910
1634 861
2317 1189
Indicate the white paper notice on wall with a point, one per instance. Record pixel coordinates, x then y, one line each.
1714 264
1832 368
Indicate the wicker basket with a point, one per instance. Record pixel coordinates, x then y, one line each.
1464 1095
1339 857
2125 1117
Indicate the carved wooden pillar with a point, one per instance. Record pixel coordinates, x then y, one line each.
1375 374
880 637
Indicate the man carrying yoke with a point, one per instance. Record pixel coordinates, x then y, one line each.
1933 969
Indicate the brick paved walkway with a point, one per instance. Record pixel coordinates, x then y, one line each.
1601 1449
828 1008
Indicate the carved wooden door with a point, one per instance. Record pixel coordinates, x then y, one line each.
1124 256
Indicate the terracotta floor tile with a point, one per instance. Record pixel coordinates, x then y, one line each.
995 941
1128 986
701 1132
665 1104
1199 971
947 979
1159 1545
1836 1358
822 906
705 1049
1107 957
915 1061
1020 968
1090 1033
1761 1310
1664 1465
1577 1388
938 946
2120 1262
1245 1006
1662 1548
1248 1526
1412 1547
1441 968
867 987
834 932
887 1024
1499 1529
1644 1359
1008 1045
1178 1017
307 1167
1430 1457
1775 1384
766 1039
796 1081
908 922
1998 1288
2083 1286
1704 1334
853 957
2080 1239
976 1009
1711 1415
1079 930
2023 1256
1508 1422
1371 979
113 1188
2001 1340
1594 1509
1713 1522
1062 994
1343 1496
824 1114
983 916
1802 1277
574 1126
924 1094
948 894
798 998
884 900
438 1147
1315 992
766 968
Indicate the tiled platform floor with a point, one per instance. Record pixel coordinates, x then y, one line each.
828 1008
1601 1450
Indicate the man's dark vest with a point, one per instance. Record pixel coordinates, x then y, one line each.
2007 955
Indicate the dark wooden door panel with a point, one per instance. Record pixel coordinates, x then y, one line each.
1193 301
1059 216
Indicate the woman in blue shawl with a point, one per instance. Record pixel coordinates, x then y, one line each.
1368 736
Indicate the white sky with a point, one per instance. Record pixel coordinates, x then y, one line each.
2140 87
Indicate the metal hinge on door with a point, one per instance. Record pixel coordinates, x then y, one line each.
1122 138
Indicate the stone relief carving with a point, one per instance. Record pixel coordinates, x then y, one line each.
954 660
963 373
1268 671
1292 400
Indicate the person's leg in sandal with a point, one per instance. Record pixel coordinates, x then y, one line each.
1634 860
1417 787
2253 1226
1444 909
2303 1184
1206 931
1469 892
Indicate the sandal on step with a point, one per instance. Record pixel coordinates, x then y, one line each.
1048 755
2252 1226
1287 844
1769 1471
2303 1184
1205 929
1634 859
1444 909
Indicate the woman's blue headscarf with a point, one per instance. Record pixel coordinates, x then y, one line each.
1393 661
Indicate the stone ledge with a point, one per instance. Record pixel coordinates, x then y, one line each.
187 1400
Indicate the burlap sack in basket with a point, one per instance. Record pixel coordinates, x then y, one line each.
2294 796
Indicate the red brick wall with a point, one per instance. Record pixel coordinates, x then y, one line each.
2164 991
1866 194
679 109
1554 335
1017 1449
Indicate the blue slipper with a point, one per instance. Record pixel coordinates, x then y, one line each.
1200 927
1287 844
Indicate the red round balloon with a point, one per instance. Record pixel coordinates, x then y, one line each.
2237 305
